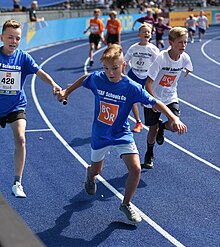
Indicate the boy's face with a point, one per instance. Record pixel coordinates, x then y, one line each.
145 33
179 44
96 14
11 38
114 69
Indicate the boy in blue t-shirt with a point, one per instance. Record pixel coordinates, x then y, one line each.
115 94
15 65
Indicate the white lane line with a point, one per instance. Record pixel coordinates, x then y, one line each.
203 80
205 54
199 109
184 150
79 158
38 130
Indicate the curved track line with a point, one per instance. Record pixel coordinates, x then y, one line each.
184 150
199 109
205 54
79 158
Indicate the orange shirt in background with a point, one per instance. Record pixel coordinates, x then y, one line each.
113 27
96 26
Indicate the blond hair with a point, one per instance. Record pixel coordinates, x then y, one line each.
11 23
113 12
146 25
112 52
160 18
177 32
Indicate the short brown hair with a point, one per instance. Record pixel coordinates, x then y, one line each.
112 52
11 23
177 32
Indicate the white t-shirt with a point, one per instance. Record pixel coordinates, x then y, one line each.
165 73
140 57
191 23
202 22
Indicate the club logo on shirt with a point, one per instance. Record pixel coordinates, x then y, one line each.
108 113
167 80
8 74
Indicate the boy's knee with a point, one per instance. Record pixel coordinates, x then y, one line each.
20 140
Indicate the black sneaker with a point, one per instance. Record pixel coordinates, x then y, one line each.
160 134
91 63
148 161
90 186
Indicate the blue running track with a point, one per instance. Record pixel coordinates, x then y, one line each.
179 200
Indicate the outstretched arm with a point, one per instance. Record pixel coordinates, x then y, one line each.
63 95
47 78
175 124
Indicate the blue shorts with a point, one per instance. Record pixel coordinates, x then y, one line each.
137 79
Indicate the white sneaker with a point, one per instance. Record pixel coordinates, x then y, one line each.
17 190
131 214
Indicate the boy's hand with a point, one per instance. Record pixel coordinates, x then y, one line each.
56 89
178 126
61 96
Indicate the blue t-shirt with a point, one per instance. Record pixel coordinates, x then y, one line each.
13 72
113 103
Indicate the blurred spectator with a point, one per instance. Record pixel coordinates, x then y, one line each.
33 12
17 6
122 10
67 5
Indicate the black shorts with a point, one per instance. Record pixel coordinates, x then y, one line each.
152 118
159 36
191 30
12 117
201 30
112 39
94 38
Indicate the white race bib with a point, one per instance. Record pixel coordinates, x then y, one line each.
10 82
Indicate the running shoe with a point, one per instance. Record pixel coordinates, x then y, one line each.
91 63
17 190
130 213
138 127
148 161
160 134
90 186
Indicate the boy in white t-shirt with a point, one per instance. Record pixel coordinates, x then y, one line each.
202 22
161 82
190 24
139 57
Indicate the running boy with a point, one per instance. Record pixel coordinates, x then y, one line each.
96 28
115 93
161 83
190 24
140 56
160 28
113 27
202 22
15 65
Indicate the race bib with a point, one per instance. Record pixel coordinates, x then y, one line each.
167 80
10 82
94 29
108 113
